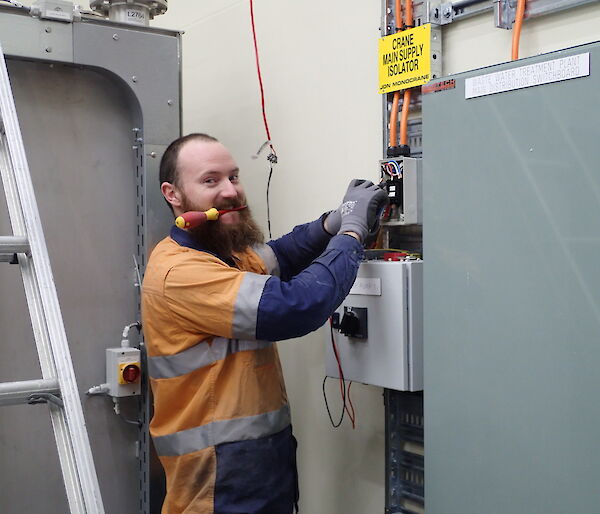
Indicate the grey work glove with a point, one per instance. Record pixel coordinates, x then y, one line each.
361 208
372 235
333 222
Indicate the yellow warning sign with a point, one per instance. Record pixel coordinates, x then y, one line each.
405 59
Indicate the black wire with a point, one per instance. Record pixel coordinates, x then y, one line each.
343 388
333 424
138 422
268 207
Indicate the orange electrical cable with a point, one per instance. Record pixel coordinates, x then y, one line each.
407 92
394 120
398 5
409 14
404 118
396 99
517 29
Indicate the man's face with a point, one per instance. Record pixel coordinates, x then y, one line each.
208 177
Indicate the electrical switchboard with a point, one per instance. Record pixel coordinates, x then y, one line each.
512 290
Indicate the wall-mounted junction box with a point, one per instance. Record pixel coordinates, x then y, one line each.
404 189
391 355
123 371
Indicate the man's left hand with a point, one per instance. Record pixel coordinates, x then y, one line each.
333 222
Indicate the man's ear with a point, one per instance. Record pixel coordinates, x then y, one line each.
171 194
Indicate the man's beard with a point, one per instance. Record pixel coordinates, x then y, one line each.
225 239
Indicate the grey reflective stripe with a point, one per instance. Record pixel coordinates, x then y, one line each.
200 355
219 432
243 345
245 310
266 253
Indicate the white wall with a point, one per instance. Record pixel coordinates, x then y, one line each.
475 42
319 70
325 119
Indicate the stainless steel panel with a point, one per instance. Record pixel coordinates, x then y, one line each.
148 65
153 100
512 296
35 39
76 127
159 217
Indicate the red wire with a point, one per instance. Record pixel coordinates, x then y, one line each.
353 417
260 82
342 380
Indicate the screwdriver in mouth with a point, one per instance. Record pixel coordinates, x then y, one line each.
192 219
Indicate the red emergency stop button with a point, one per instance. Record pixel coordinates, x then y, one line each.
131 373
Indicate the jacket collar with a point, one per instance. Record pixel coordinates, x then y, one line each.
184 238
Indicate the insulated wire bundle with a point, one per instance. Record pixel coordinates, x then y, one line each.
344 393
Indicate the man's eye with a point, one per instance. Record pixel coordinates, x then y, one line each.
210 181
234 178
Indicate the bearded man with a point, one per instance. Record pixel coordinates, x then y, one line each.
215 299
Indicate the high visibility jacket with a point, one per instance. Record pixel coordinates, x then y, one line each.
221 424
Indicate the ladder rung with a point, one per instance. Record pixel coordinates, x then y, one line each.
9 245
16 393
68 423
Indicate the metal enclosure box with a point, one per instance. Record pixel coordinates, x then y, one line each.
392 354
512 292
97 103
411 211
116 359
413 197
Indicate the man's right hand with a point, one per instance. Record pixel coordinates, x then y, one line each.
361 207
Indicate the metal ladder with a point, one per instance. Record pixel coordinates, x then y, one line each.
57 387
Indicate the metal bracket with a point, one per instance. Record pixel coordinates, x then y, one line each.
505 12
55 10
36 398
442 14
10 258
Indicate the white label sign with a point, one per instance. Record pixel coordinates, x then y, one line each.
547 72
367 286
58 14
137 16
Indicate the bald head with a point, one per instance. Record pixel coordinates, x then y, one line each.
168 163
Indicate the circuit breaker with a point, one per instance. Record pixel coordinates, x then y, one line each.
379 327
123 371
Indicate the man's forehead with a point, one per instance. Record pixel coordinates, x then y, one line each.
204 155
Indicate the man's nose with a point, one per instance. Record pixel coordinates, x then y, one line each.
229 190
